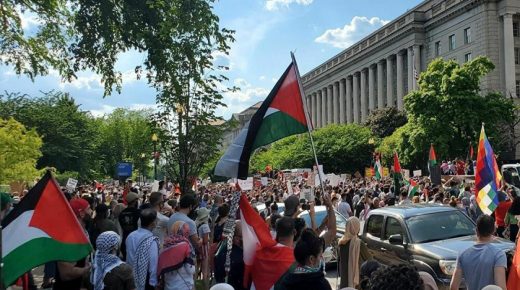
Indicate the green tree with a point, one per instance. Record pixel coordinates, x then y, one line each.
68 133
448 111
19 151
383 122
341 148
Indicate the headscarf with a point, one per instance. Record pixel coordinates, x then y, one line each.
104 260
351 234
172 256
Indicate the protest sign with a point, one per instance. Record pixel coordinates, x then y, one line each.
417 173
155 186
386 172
357 174
311 179
369 172
71 184
264 181
333 179
246 184
307 193
406 173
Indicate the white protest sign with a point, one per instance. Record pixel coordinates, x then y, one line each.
72 183
264 181
417 172
406 173
116 183
155 186
333 179
307 194
246 184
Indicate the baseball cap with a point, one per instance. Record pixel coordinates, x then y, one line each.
78 205
291 205
131 196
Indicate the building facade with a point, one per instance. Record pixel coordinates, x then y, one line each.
379 70
240 120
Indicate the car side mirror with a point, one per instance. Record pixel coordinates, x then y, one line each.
396 239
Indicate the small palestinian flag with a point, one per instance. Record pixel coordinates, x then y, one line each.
378 170
282 114
413 187
434 168
42 228
397 174
432 160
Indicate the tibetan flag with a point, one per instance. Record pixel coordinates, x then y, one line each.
397 174
265 261
378 170
42 228
282 114
433 167
487 176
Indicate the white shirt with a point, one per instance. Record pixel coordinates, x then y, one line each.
161 228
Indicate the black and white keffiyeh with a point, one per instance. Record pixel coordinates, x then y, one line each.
104 261
142 260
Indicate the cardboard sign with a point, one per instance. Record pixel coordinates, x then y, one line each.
264 181
417 173
246 184
386 171
71 184
307 193
368 172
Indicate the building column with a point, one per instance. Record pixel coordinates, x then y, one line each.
355 96
390 81
400 79
348 85
416 65
313 110
380 94
323 107
509 56
371 88
335 93
330 105
363 95
409 55
318 109
342 84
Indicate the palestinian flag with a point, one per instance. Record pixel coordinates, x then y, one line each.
282 114
434 168
378 170
413 187
397 174
42 228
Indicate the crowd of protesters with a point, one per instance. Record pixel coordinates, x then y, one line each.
168 240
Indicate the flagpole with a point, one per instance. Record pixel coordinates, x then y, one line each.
309 122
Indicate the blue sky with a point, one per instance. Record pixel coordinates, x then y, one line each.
266 32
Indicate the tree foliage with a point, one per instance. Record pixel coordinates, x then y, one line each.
448 111
383 122
341 148
19 151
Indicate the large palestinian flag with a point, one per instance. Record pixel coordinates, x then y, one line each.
40 229
282 114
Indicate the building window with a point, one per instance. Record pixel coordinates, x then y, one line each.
516 29
452 41
467 57
517 55
517 88
438 48
467 35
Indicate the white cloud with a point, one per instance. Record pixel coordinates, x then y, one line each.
262 78
246 93
90 80
28 19
272 5
107 109
359 27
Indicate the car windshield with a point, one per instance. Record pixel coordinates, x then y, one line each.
439 226
341 222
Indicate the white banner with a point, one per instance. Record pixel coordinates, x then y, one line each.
246 184
417 173
71 184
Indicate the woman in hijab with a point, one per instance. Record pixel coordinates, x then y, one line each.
352 253
176 266
109 272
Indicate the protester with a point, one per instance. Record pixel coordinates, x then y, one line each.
187 205
203 231
402 277
176 267
235 277
129 218
365 272
512 219
5 204
352 253
504 203
142 251
101 223
161 229
108 271
344 206
308 272
483 263
69 276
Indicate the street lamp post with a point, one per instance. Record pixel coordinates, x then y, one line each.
154 140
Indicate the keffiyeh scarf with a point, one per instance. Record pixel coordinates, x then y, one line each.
142 260
104 261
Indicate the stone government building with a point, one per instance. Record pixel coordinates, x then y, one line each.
379 70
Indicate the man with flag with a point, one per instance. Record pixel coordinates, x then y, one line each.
397 175
433 167
42 228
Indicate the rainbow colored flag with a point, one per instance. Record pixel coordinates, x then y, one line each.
487 176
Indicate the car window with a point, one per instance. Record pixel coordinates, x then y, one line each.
375 224
439 226
393 227
341 222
